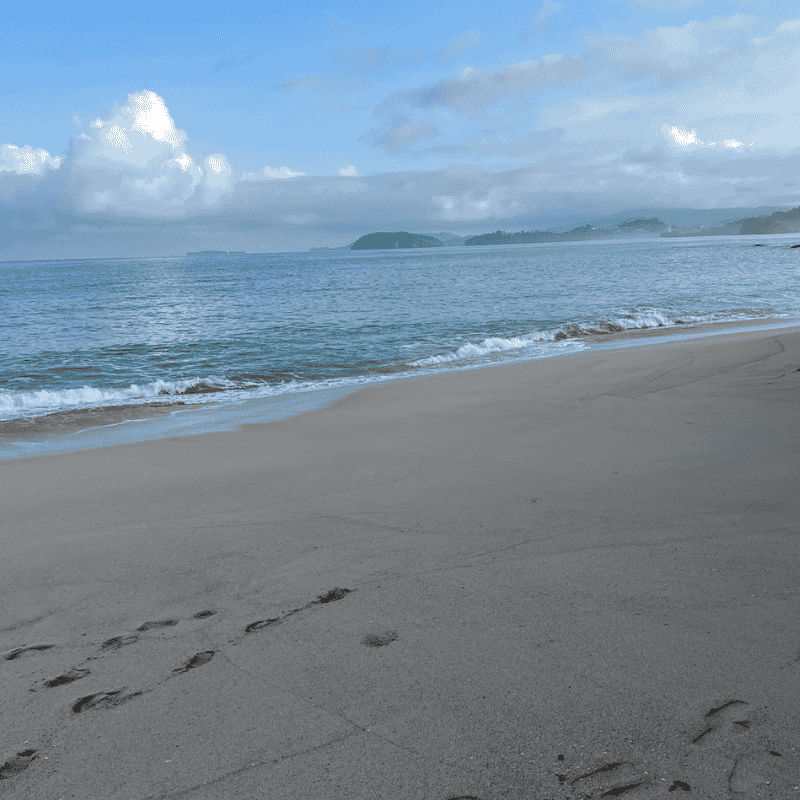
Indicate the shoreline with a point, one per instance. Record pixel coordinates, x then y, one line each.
104 426
559 578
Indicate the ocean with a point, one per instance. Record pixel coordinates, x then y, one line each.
84 334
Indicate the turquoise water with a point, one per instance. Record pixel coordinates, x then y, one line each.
81 334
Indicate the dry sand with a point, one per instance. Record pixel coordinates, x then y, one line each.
566 579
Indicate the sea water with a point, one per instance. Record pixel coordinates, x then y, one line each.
82 334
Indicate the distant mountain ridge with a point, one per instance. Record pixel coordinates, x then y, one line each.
776 222
582 233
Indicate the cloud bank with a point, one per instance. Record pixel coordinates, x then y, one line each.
701 115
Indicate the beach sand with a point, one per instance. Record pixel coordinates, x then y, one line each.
569 578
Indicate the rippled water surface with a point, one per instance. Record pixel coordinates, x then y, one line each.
75 334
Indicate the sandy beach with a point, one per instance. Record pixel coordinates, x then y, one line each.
570 578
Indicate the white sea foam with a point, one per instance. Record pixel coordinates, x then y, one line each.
640 320
44 401
211 389
487 347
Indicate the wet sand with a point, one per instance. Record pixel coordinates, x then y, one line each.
68 422
570 578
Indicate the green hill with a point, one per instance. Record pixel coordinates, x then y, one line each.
390 241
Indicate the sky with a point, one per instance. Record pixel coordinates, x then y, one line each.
156 128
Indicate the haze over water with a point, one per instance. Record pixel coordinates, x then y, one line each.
81 334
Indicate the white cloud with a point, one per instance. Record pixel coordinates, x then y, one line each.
712 76
218 178
671 55
136 160
350 171
683 138
474 205
26 160
282 173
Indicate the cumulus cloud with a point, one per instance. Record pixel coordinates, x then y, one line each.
136 160
26 160
682 137
218 177
685 138
697 115
579 182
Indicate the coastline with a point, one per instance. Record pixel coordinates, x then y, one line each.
565 577
105 426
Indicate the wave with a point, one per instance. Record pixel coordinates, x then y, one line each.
213 388
43 401
493 345
637 320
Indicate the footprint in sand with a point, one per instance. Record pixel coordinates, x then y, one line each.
71 675
17 763
28 649
612 779
164 623
115 642
333 595
756 768
203 614
260 624
632 781
103 700
197 660
380 639
733 716
330 596
757 772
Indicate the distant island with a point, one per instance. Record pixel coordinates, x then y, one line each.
398 240
777 222
391 241
217 253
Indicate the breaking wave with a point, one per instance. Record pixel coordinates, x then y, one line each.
45 401
640 320
567 338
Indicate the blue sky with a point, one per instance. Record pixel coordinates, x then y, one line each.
300 124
